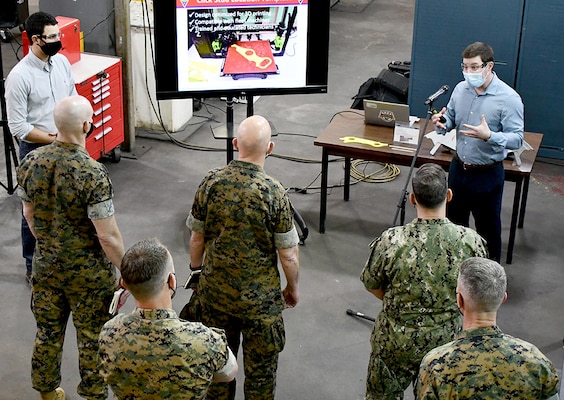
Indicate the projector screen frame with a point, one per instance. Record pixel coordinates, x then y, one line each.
315 70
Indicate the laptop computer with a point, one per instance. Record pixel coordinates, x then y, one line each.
384 113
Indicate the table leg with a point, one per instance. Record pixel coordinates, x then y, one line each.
323 207
514 217
347 178
524 201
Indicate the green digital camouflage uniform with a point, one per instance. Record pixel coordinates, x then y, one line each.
417 266
152 354
486 364
244 215
71 272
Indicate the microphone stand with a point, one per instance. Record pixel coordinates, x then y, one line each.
403 197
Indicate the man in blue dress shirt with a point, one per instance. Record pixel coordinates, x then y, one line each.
488 117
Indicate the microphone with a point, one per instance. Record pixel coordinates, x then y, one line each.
434 96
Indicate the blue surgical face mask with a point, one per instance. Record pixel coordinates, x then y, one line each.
475 80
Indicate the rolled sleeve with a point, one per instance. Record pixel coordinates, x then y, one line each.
101 210
195 224
287 239
20 192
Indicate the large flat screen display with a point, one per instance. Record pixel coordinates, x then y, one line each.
240 47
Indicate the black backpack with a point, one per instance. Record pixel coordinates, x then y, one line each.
390 85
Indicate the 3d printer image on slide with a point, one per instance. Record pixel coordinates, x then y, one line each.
241 42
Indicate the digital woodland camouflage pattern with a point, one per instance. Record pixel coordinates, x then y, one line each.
239 209
417 266
51 304
152 354
264 338
70 270
62 181
244 215
486 364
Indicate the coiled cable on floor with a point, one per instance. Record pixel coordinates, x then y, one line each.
386 172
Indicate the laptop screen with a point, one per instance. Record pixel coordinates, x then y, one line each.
384 113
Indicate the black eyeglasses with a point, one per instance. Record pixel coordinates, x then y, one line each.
473 67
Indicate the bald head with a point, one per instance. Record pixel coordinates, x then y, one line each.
71 114
253 138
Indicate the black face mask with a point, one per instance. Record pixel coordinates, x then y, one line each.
51 48
171 287
90 130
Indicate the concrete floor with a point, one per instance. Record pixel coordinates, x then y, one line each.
327 351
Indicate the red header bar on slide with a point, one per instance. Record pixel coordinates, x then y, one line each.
236 3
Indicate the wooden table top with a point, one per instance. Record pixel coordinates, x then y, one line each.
351 123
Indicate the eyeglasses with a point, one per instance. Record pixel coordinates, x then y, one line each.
473 67
51 36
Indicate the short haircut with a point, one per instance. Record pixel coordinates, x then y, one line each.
484 282
145 268
481 49
35 23
429 185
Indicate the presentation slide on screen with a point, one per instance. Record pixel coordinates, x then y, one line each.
235 44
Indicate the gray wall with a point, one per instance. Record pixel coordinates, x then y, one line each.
96 21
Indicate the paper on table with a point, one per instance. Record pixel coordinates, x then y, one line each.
448 140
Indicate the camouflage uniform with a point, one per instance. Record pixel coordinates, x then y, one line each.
71 272
484 363
152 354
244 215
416 265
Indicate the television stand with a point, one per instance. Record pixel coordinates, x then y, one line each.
227 131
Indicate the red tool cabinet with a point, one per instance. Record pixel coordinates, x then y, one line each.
99 79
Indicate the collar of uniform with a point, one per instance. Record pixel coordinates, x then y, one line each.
429 221
482 331
151 313
246 165
69 146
